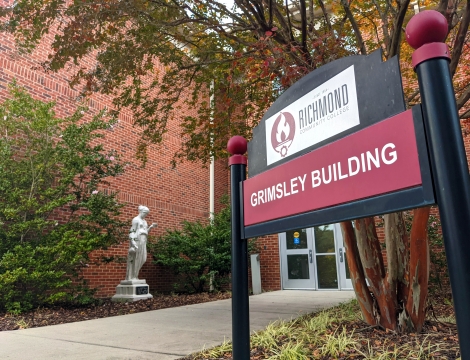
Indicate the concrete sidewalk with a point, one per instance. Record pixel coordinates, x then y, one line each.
161 334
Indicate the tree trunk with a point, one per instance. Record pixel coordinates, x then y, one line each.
357 273
419 269
396 296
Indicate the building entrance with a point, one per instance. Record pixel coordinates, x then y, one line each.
314 259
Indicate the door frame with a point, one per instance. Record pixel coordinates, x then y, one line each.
297 284
334 253
312 284
343 282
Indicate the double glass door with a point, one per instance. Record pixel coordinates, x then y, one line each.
314 258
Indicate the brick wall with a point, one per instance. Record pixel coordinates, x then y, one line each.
172 194
270 262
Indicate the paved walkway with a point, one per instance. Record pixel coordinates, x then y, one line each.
161 334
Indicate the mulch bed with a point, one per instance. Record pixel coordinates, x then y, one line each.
105 308
377 341
434 332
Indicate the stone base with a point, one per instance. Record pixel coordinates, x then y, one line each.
132 290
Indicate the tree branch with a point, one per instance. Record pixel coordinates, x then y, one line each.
465 115
357 32
384 20
394 46
419 268
303 22
326 16
289 23
460 40
311 15
356 270
462 100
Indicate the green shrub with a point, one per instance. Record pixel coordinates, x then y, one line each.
51 212
198 251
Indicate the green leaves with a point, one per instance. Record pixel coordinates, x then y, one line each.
164 59
160 58
198 251
53 210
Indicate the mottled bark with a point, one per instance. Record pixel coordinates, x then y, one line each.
419 269
357 273
395 298
370 253
397 248
369 248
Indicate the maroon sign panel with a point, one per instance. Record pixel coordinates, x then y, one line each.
380 159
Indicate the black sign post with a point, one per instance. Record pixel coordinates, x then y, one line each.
426 32
237 146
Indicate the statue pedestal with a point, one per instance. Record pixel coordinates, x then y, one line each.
132 290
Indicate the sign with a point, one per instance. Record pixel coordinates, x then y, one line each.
327 110
374 167
296 238
333 101
380 159
141 290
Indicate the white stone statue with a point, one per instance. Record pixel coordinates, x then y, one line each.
137 254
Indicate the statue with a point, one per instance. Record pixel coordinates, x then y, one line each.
137 254
132 288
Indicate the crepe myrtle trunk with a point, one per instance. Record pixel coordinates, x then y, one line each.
392 296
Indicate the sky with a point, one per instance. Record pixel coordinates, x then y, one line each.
228 3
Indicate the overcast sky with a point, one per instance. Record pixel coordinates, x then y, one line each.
228 3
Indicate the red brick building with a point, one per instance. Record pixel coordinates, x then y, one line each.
172 194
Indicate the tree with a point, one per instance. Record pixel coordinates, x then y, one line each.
148 52
52 213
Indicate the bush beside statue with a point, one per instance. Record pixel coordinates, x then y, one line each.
199 254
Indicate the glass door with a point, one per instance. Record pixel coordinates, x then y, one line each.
297 266
325 256
345 277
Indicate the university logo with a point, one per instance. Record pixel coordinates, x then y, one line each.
282 133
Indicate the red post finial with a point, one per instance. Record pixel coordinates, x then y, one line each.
426 32
237 146
426 27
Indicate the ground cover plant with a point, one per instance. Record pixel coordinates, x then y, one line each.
53 212
340 333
